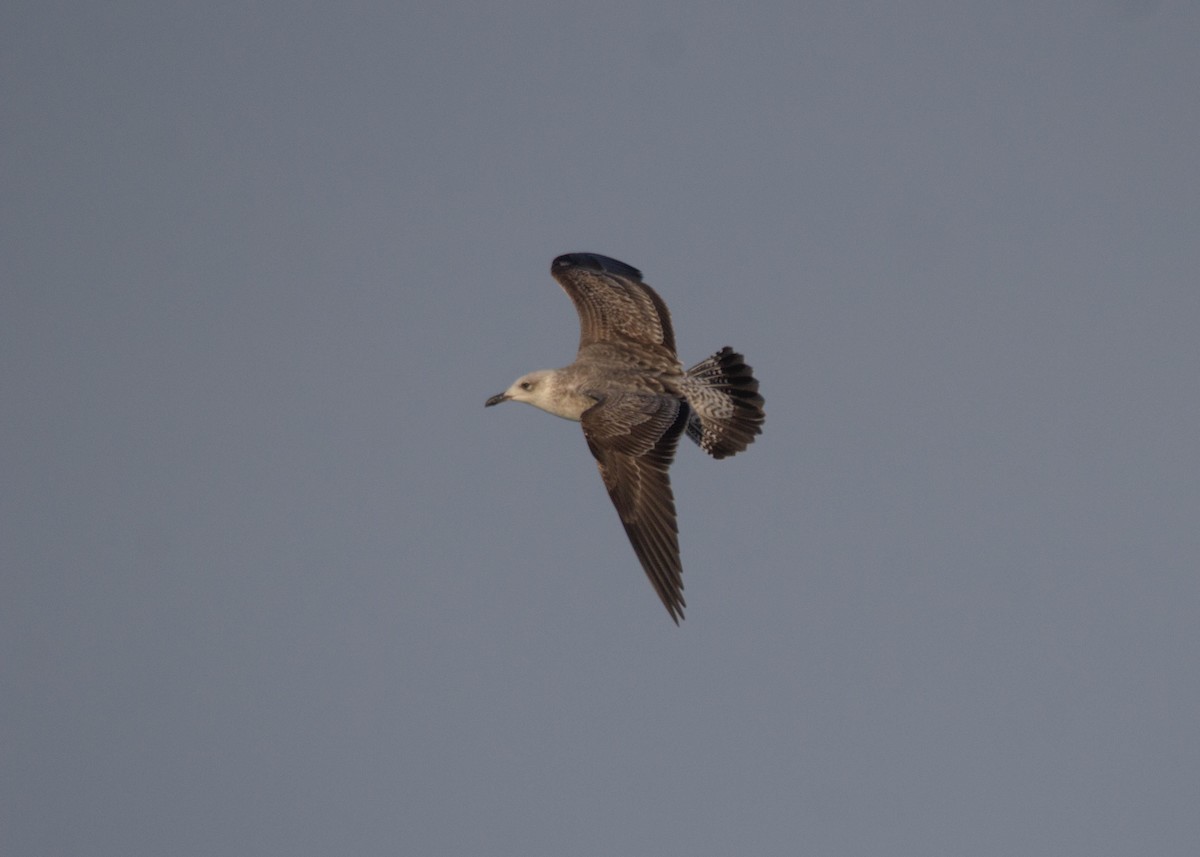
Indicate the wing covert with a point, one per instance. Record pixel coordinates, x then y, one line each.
613 303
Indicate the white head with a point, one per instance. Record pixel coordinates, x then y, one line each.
543 389
532 388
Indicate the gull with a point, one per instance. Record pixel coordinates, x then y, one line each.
633 398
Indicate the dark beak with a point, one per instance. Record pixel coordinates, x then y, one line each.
496 399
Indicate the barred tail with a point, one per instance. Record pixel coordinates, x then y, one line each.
727 411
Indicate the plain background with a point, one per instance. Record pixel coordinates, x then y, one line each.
275 583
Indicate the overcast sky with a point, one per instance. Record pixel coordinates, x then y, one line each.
275 583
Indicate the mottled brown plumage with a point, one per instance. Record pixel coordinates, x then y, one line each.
629 391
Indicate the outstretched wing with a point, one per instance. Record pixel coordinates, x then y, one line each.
633 437
613 303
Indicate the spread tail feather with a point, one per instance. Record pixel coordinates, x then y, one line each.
727 411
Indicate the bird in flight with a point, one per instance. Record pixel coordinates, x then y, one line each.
634 399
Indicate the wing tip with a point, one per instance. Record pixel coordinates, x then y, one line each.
594 262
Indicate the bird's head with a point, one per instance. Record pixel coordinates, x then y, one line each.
534 388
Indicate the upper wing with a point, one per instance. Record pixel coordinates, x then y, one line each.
613 303
633 437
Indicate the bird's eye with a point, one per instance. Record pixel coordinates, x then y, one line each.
525 385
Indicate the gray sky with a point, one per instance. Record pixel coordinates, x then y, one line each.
275 583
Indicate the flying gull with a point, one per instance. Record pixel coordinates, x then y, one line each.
630 392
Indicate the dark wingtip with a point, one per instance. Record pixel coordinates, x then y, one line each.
595 262
674 604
